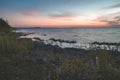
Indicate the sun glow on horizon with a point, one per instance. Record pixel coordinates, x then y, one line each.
85 21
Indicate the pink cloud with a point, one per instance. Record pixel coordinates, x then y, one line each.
110 19
29 13
63 16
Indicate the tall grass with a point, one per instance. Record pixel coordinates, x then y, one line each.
9 43
13 51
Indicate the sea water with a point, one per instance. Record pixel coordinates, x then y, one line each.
83 36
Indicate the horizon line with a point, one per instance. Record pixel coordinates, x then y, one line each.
70 27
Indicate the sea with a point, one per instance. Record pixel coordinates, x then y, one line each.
83 36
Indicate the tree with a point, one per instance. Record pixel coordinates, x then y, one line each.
4 26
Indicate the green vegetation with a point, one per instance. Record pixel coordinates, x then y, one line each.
4 26
21 59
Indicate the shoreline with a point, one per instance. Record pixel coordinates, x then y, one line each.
72 43
113 46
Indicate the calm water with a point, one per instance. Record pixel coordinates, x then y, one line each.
81 35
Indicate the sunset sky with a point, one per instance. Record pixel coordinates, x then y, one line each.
61 13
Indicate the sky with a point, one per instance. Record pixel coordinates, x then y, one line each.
61 13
